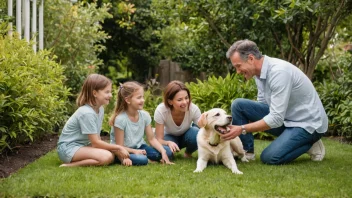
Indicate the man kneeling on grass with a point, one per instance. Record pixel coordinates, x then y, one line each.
288 106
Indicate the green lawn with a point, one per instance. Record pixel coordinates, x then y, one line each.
303 178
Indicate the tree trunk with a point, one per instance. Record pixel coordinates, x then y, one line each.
320 34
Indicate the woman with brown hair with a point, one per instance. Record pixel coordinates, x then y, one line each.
176 119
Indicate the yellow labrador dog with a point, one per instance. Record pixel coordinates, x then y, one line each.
212 148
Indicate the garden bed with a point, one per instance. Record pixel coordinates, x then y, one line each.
22 155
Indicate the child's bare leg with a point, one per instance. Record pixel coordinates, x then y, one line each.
87 162
89 156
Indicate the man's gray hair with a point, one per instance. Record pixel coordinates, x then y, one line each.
244 48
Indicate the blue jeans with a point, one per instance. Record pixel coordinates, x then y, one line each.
188 139
152 154
291 142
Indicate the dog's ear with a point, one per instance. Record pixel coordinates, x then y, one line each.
203 121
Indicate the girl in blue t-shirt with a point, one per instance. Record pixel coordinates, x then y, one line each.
80 143
129 123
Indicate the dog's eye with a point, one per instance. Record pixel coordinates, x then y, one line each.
217 114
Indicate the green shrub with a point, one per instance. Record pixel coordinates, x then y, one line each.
74 34
151 102
32 95
220 92
336 96
152 96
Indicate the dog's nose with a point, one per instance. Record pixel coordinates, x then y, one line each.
229 118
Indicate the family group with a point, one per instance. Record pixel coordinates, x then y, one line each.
287 106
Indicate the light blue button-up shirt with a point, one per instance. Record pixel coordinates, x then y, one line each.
291 96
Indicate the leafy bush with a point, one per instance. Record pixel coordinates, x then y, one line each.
32 95
151 102
336 96
153 96
220 92
74 34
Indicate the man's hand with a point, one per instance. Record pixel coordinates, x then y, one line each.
234 132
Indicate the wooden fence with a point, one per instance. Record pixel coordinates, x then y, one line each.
169 71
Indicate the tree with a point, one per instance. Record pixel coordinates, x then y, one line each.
298 31
309 27
74 34
133 47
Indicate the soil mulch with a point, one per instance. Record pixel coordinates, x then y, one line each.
22 155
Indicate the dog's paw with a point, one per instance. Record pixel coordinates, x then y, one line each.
197 171
244 159
237 172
